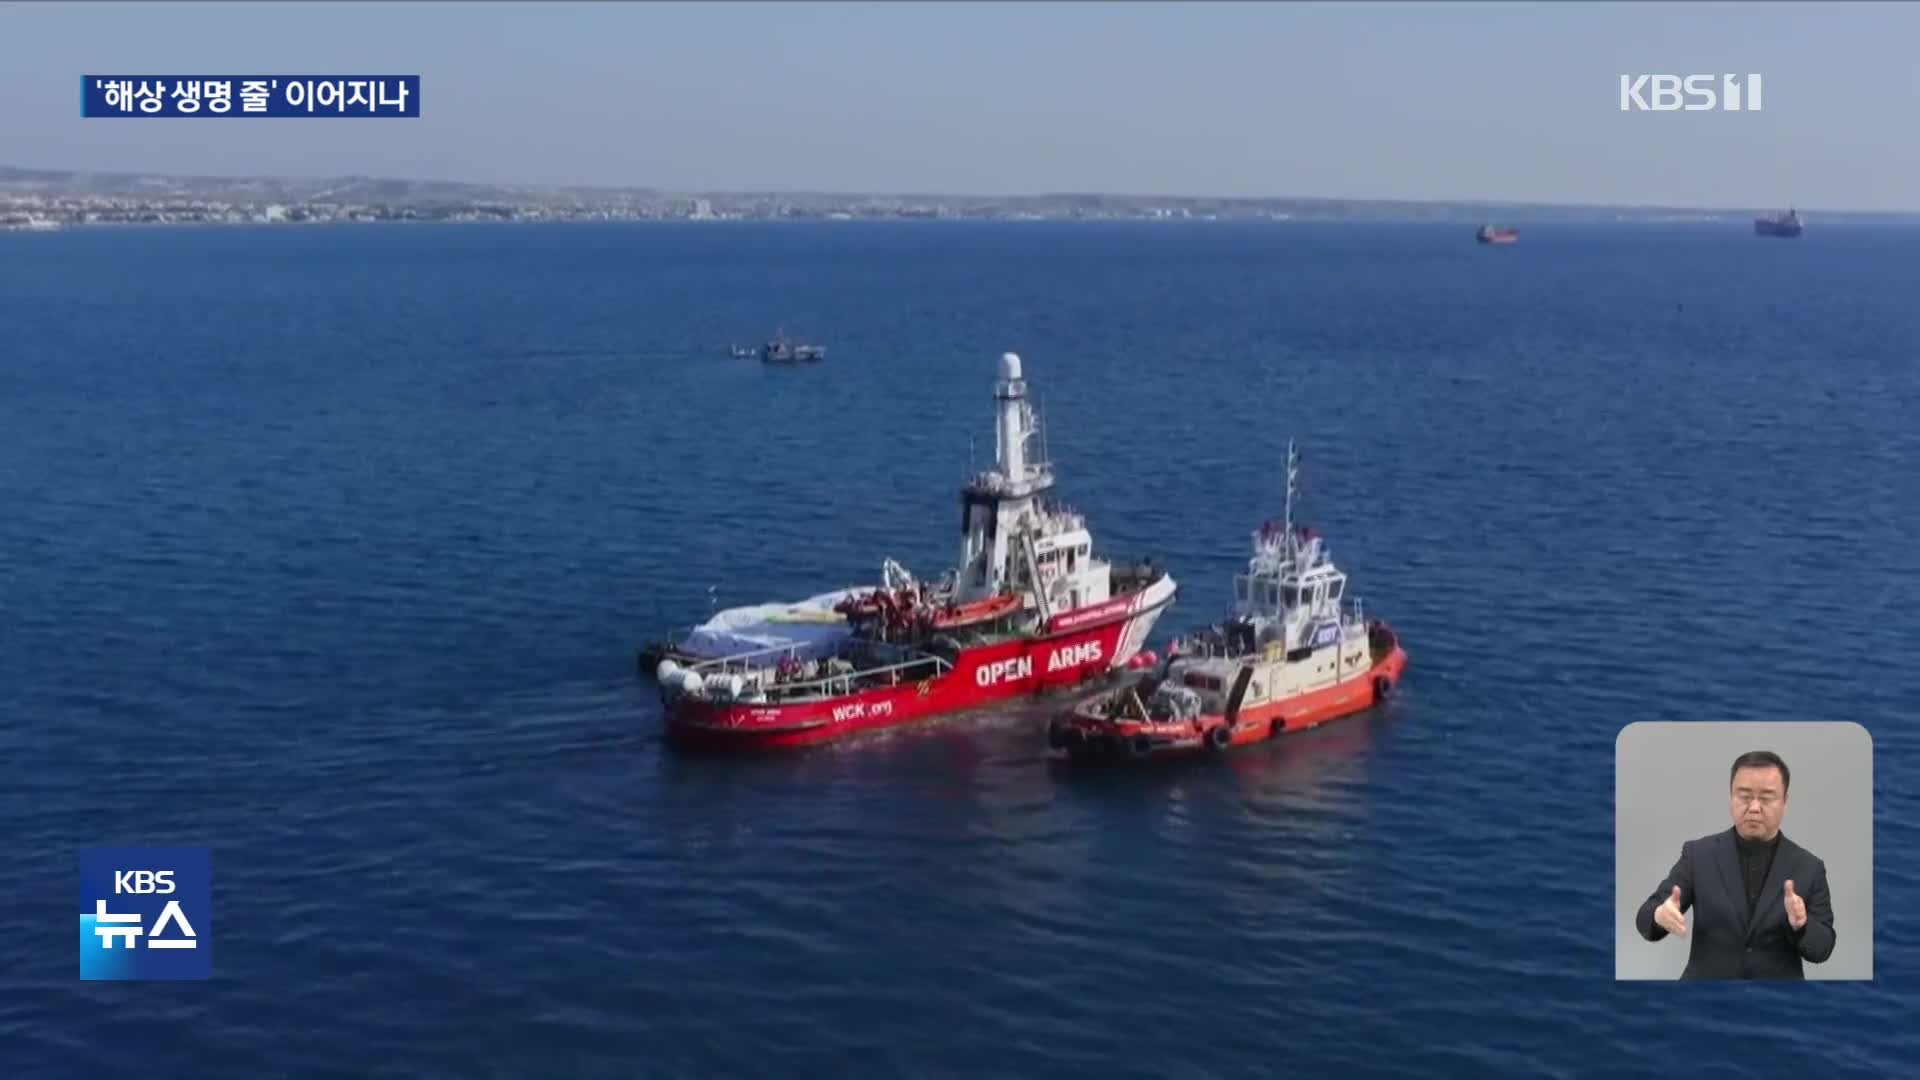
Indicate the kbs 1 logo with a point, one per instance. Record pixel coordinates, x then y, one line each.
146 913
1691 93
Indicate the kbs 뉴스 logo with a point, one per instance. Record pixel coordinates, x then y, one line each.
146 913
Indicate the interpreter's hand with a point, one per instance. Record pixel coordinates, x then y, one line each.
1796 908
1672 921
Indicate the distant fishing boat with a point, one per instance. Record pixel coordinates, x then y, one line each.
1783 225
779 350
784 350
1496 234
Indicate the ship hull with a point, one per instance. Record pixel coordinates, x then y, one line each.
1768 228
1079 647
1085 736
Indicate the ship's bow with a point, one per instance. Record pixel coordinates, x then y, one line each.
1151 602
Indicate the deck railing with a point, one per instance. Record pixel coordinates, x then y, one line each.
1223 649
747 661
924 667
925 664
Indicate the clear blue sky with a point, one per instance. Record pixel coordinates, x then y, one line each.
1430 100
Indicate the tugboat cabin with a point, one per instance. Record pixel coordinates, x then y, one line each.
1290 595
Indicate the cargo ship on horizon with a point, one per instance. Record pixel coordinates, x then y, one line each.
1783 225
1497 234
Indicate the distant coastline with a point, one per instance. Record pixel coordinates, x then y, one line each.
44 198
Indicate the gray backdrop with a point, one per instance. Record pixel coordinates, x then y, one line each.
1670 786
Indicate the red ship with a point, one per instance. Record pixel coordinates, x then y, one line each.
1295 653
1029 607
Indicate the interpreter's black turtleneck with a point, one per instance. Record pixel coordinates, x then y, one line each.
1756 858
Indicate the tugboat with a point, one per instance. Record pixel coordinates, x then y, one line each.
1783 225
1289 656
1028 608
1497 234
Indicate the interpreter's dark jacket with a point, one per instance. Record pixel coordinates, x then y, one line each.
1731 938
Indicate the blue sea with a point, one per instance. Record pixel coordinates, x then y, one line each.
330 549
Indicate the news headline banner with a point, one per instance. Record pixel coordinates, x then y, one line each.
108 96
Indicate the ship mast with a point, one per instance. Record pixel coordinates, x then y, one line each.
1002 497
1293 472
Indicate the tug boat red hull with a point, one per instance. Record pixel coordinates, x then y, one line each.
1295 652
1084 733
1087 645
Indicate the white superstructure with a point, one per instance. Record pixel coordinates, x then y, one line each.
1013 539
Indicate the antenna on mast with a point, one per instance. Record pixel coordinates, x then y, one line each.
1042 425
1293 470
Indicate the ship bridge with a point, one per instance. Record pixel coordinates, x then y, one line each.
1291 592
1002 520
